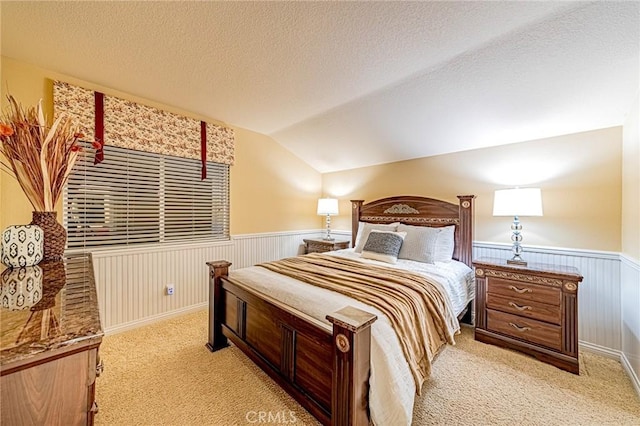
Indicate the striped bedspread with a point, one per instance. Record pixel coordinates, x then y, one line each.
417 308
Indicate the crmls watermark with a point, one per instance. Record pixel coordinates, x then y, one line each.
273 417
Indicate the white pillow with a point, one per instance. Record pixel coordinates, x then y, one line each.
419 244
383 245
365 228
445 244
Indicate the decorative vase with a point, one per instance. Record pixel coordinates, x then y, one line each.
55 278
21 288
55 236
22 245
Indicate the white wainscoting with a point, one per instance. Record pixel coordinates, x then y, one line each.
131 282
599 301
630 281
255 248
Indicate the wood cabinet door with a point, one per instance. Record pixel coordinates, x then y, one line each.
51 393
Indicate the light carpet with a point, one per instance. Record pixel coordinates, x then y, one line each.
162 374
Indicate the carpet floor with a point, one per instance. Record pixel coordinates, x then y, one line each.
162 374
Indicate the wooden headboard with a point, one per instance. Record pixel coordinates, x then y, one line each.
421 211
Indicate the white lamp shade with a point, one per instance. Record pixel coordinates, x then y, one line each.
327 206
517 202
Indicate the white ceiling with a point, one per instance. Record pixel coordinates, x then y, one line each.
351 84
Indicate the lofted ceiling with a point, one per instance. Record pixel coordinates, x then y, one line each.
351 84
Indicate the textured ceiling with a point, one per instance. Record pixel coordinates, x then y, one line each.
351 84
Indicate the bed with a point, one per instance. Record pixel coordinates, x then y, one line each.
337 356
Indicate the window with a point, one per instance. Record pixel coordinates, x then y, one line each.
136 197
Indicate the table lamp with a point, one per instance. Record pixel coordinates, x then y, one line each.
328 207
517 202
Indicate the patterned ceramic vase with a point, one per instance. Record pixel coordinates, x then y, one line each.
22 245
21 287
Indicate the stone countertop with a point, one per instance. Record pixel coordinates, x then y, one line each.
48 306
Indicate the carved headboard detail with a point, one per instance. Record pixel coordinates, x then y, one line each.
421 211
401 209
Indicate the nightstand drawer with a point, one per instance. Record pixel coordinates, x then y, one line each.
524 291
313 245
528 308
539 332
316 248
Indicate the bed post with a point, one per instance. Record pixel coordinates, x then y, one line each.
351 368
466 229
217 270
355 218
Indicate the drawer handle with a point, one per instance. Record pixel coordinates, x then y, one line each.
520 308
517 327
520 290
99 368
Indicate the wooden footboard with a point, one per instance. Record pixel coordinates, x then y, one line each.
326 369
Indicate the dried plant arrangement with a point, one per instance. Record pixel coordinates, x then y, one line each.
38 156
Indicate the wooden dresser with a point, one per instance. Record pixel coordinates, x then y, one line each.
50 332
318 245
532 309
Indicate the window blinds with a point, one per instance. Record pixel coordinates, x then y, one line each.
136 197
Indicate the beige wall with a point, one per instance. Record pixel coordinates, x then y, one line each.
579 174
28 85
631 183
271 189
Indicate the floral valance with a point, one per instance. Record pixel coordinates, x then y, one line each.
126 124
78 103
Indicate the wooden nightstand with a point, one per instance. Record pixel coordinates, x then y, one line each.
532 309
318 245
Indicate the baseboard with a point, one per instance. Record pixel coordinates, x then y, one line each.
155 318
632 375
616 355
600 350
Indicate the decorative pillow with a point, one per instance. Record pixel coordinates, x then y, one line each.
365 228
419 244
445 244
383 245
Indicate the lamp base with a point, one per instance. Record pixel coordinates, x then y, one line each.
516 237
327 235
518 262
